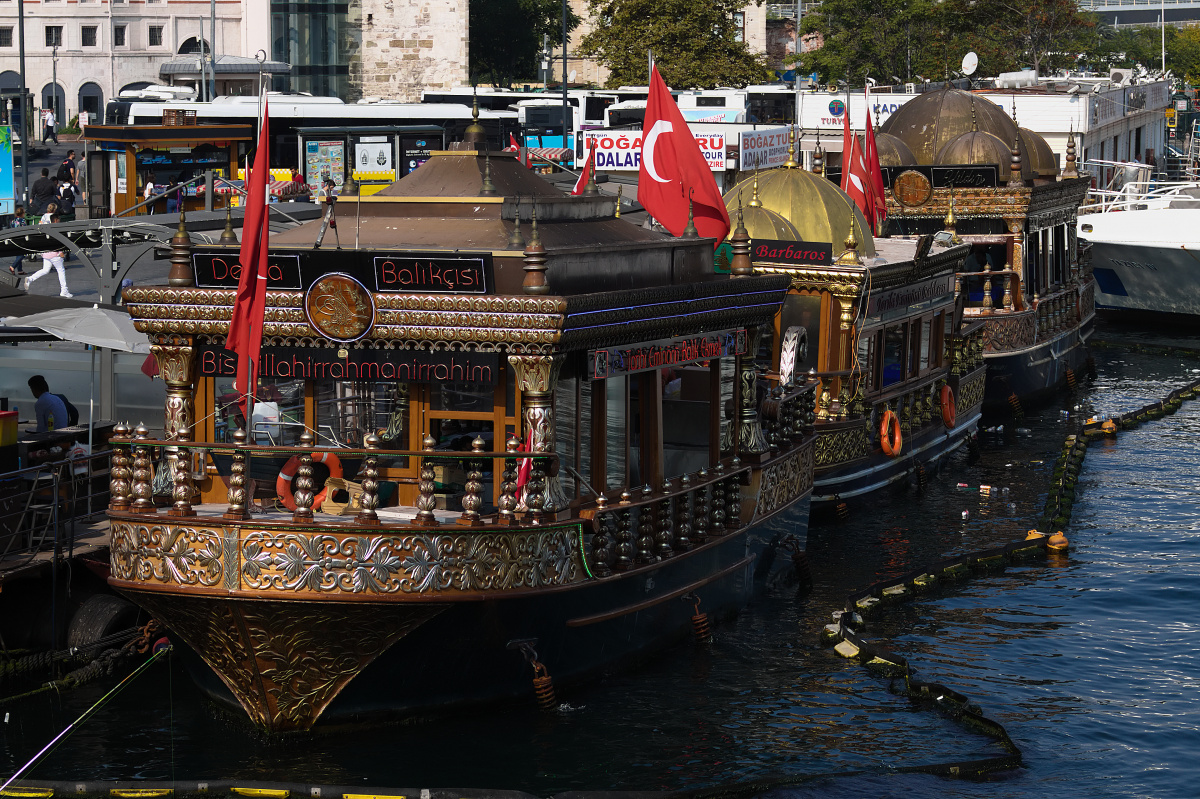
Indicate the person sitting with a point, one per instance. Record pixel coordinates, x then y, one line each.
49 409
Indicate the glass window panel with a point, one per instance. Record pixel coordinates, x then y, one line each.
469 397
926 327
686 418
804 311
893 356
349 410
118 35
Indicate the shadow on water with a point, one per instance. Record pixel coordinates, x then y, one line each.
1090 663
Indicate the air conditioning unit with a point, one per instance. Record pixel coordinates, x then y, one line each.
1118 77
910 88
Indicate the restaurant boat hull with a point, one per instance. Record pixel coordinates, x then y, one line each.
557 434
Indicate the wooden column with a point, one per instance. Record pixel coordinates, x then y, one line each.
536 377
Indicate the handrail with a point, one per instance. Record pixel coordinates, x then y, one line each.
339 451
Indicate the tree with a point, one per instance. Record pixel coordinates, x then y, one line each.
506 37
695 42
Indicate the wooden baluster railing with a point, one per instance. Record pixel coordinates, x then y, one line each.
425 487
733 499
683 516
118 471
645 541
843 400
143 492
237 510
472 500
181 484
535 492
824 400
507 505
700 510
601 543
367 514
664 528
904 411
302 483
625 551
716 510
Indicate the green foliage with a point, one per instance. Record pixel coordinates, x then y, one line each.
928 38
506 37
693 42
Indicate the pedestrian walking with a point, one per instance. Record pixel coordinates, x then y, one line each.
49 131
52 259
43 191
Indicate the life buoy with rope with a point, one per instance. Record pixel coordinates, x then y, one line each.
949 411
889 434
283 483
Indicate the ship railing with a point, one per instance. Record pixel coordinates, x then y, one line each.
964 349
50 505
1141 195
998 290
637 526
1057 311
788 412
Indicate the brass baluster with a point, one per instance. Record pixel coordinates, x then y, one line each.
645 541
1008 296
118 472
683 516
904 406
601 543
535 492
472 501
425 486
237 510
700 510
716 513
143 492
367 515
733 499
987 286
664 529
302 491
508 484
825 400
624 560
181 484
843 400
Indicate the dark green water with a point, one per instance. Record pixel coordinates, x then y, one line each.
1092 664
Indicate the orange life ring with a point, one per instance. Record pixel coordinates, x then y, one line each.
283 483
889 434
948 407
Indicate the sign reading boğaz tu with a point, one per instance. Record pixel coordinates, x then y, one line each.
622 150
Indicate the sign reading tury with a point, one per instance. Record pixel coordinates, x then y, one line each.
614 361
351 363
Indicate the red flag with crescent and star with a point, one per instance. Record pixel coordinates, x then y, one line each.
250 304
855 180
673 170
588 169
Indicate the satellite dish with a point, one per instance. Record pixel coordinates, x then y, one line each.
970 63
571 77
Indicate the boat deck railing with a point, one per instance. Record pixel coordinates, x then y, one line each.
1014 323
47 505
1143 195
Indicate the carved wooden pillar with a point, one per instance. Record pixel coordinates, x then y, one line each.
237 510
119 472
750 439
536 377
174 355
1016 226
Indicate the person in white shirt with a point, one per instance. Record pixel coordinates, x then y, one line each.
49 131
48 217
52 259
149 193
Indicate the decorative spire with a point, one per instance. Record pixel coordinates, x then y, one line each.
516 241
791 162
474 134
819 156
974 123
1071 170
740 265
951 221
181 255
590 189
754 201
620 194
690 231
489 188
228 237
535 261
850 256
1014 177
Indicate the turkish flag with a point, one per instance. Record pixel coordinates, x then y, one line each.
875 173
854 170
512 144
588 168
250 304
673 170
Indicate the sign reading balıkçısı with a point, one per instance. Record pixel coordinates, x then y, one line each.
621 150
763 149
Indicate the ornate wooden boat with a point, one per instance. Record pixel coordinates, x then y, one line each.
958 164
878 325
481 321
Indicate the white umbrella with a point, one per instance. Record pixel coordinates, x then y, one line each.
99 327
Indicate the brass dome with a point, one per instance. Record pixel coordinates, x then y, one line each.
931 121
815 207
1038 154
763 223
892 151
978 148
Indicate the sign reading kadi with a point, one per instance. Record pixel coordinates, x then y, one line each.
614 361
222 271
349 363
433 273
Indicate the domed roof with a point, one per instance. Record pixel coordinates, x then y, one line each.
977 148
892 151
815 207
929 122
763 223
1037 152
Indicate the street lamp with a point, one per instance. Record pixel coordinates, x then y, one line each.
54 84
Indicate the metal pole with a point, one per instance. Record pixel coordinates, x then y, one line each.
566 109
1162 26
212 49
24 106
54 83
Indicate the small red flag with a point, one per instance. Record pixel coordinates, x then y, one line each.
854 171
875 172
512 144
250 305
588 168
673 170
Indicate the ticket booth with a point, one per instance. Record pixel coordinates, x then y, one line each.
169 154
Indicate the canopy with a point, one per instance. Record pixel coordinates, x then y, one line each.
278 188
99 327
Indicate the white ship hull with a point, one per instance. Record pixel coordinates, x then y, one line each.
1146 261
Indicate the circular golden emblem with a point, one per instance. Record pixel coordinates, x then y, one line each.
339 307
912 189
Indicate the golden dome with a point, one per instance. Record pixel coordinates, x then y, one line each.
1038 154
978 148
929 122
763 223
815 207
893 151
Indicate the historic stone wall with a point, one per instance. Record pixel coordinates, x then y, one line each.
410 45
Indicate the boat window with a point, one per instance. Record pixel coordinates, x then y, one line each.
622 424
686 420
349 410
926 327
893 356
470 397
278 411
573 421
803 310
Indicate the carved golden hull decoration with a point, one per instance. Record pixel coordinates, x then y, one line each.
784 482
970 391
837 447
285 661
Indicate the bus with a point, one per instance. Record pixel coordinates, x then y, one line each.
292 111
